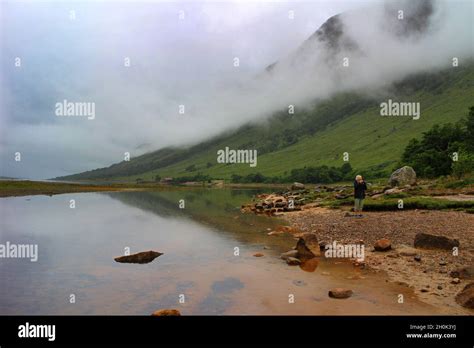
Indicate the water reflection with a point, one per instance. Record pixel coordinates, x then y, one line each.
77 249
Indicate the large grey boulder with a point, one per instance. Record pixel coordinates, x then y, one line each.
403 176
297 186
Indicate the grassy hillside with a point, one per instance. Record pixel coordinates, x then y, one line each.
319 136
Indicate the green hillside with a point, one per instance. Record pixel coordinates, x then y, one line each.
318 136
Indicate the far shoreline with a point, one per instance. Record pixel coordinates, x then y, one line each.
26 187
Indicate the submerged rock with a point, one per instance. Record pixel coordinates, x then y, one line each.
143 257
166 313
340 293
293 261
430 241
288 254
466 296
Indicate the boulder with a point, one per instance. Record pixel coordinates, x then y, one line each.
466 296
297 186
403 176
382 245
143 257
308 246
166 313
340 293
288 254
430 241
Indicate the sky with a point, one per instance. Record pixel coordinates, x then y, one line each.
140 63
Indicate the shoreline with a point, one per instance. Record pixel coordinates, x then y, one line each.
431 277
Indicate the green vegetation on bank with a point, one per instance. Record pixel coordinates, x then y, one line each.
432 155
410 203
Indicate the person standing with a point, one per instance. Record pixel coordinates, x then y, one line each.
359 193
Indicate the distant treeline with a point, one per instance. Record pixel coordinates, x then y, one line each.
443 150
308 175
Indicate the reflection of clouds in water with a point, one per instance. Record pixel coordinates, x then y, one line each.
219 299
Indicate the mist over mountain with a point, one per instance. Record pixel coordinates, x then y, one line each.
364 49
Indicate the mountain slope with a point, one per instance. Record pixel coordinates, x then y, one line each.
345 123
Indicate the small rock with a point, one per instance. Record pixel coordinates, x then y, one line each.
392 191
293 261
443 263
407 251
291 253
424 290
466 296
440 287
275 233
455 281
340 293
417 258
382 245
463 273
258 255
166 313
143 257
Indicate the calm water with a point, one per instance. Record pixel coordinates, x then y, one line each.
77 249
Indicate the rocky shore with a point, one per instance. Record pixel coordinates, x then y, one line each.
435 274
429 250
